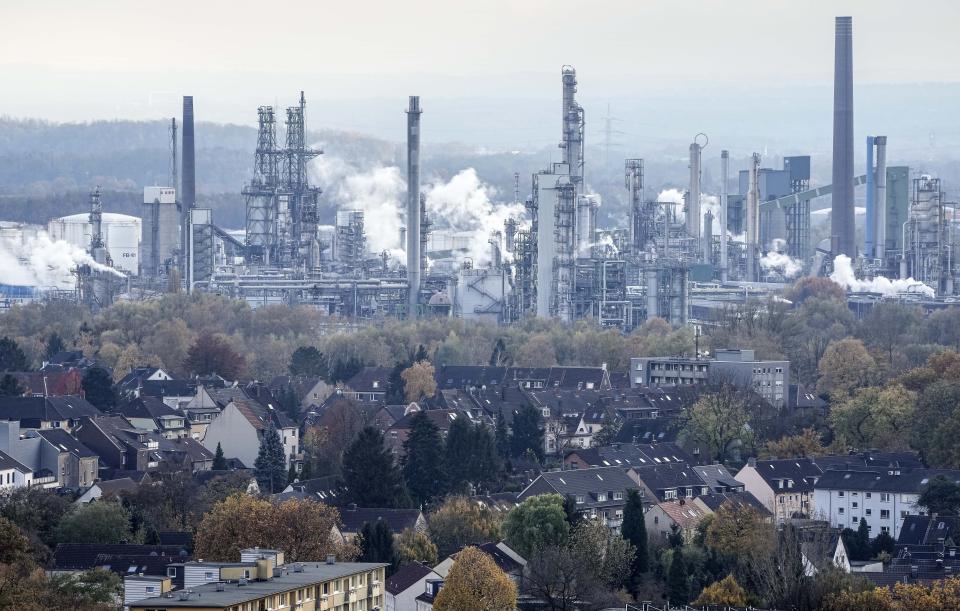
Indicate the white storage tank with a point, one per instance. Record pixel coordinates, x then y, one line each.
121 232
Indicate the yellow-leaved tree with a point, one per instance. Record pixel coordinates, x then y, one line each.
726 592
419 381
475 582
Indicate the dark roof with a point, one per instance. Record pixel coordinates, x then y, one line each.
83 556
575 378
44 409
803 398
619 380
65 357
441 418
456 377
353 518
168 388
175 537
501 502
802 471
629 455
918 568
8 462
327 489
113 487
190 448
659 430
583 482
146 407
669 476
260 415
717 477
506 563
134 564
406 577
66 442
370 379
912 481
738 499
870 460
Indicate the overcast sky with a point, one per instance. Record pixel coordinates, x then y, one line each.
96 59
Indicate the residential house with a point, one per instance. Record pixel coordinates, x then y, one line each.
369 384
403 587
13 474
884 498
718 479
712 502
186 454
119 444
667 482
107 489
56 458
353 519
46 412
785 487
822 548
599 492
309 390
468 377
328 489
431 587
79 557
240 427
152 414
263 581
918 531
77 466
680 516
129 385
50 383
71 359
175 393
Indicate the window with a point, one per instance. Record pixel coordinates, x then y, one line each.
601 497
869 495
580 499
208 575
840 493
884 497
618 496
670 494
840 510
854 504
869 512
884 514
885 529
171 571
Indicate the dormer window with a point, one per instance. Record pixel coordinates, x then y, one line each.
580 499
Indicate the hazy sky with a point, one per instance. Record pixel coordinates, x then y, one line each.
94 59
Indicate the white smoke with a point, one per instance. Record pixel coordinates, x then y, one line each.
380 193
707 202
464 204
844 276
775 260
44 262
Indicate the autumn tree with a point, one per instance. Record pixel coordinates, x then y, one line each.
889 324
820 288
720 420
214 354
846 366
459 522
726 592
936 425
475 582
414 546
738 530
301 528
370 475
605 555
419 380
805 444
875 417
537 522
537 351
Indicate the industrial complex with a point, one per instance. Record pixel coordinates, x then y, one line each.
674 260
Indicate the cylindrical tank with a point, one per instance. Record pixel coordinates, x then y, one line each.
121 233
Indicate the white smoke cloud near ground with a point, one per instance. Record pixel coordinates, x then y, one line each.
844 276
707 202
465 204
776 260
44 262
462 204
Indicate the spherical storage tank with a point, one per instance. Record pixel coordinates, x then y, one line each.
121 233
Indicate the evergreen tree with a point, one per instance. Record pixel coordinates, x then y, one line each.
424 468
12 357
9 386
634 530
487 467
863 540
376 543
677 579
571 511
290 403
55 345
460 453
421 354
396 387
292 474
270 466
219 462
344 370
527 434
306 470
369 473
98 389
308 361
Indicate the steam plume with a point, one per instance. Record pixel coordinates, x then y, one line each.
844 276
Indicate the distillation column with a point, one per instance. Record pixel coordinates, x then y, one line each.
413 204
724 177
880 199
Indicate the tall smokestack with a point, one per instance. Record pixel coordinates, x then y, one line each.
693 197
724 178
842 211
413 204
188 177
